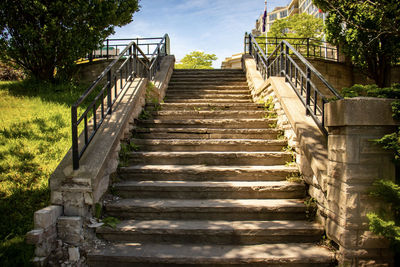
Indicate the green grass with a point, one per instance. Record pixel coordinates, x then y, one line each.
34 136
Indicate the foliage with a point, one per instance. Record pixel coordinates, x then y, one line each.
45 37
372 90
297 26
387 223
196 60
368 32
34 137
111 222
8 72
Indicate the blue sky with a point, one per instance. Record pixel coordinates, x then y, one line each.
213 26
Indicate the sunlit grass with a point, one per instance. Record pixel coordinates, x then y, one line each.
34 136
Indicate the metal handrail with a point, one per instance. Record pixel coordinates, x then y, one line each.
311 47
302 80
135 63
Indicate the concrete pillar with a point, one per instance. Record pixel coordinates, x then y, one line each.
354 163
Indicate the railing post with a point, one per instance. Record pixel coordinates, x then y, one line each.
282 67
308 90
286 63
130 63
109 76
75 148
108 47
250 45
245 43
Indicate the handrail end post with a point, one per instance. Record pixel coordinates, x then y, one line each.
75 147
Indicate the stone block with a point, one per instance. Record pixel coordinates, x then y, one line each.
40 261
45 217
73 254
34 237
344 148
70 229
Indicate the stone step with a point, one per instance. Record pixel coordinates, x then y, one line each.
248 145
153 254
208 71
194 86
206 173
207 189
212 232
208 114
202 83
205 97
208 158
207 101
207 209
206 106
205 133
202 91
212 123
207 78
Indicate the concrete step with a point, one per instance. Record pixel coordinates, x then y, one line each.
212 232
208 71
212 123
209 158
248 145
170 97
208 78
207 209
205 106
202 83
208 114
207 189
207 101
202 91
205 133
206 173
195 86
150 254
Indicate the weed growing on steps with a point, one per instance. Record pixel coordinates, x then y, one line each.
295 178
98 209
145 115
311 208
124 152
111 222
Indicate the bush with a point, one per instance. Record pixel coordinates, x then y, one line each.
372 90
9 73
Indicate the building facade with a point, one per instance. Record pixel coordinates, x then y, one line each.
294 7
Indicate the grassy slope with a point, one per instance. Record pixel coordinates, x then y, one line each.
34 136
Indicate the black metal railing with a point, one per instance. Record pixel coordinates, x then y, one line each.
308 47
310 86
111 48
131 62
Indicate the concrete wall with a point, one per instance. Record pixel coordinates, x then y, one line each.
88 72
339 169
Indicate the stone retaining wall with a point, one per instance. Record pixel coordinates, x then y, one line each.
340 169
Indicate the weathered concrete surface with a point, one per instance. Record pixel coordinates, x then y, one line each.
128 254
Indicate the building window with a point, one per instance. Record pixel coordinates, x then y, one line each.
283 14
273 16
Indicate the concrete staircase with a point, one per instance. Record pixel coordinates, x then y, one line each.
207 186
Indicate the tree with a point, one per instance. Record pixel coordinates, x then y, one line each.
196 60
46 37
369 33
297 26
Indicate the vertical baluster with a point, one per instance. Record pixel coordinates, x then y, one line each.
109 91
308 90
86 130
315 101
75 146
94 116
